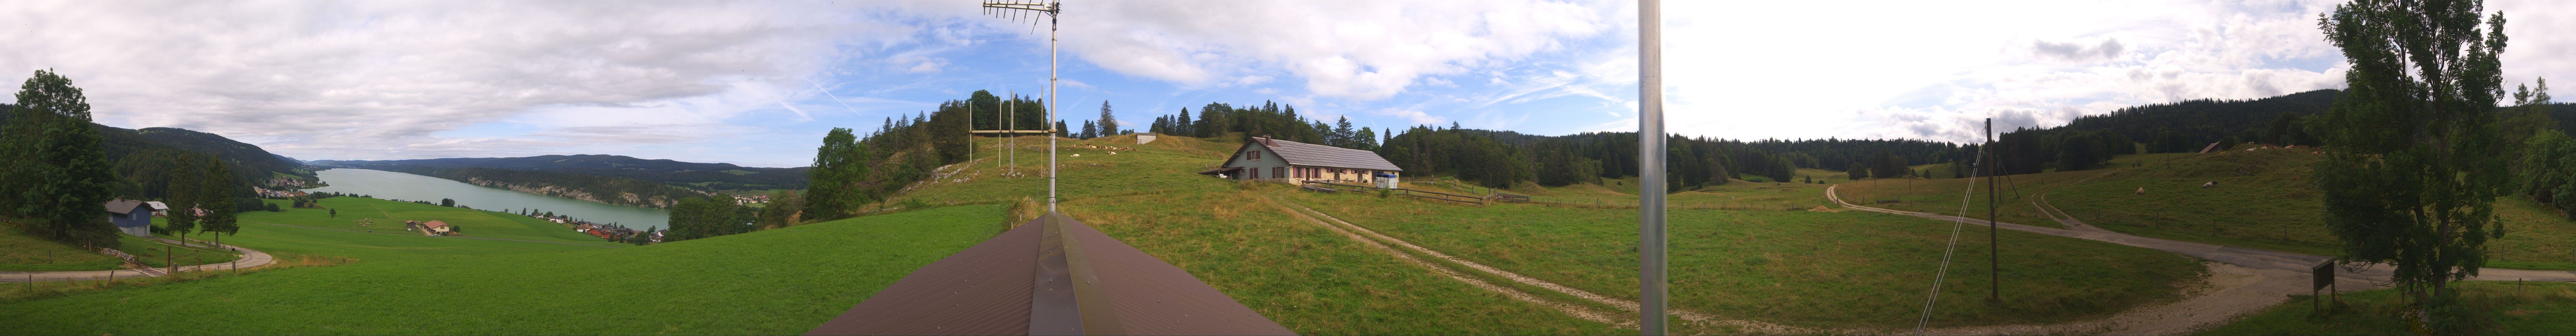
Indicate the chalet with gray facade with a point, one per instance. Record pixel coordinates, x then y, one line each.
130 216
1294 162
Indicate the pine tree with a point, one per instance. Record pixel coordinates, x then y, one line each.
217 196
1343 134
1108 123
185 196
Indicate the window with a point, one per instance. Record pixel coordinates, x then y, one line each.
1278 171
1253 155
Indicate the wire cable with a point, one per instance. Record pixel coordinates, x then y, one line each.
1958 222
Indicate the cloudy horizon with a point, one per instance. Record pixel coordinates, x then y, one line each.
758 83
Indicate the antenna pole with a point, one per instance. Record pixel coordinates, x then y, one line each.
1052 9
1650 166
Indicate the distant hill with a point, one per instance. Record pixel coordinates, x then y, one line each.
2205 120
692 174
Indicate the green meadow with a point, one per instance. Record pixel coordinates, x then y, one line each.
1848 269
781 281
2499 307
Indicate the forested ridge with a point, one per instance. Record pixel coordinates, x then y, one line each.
148 161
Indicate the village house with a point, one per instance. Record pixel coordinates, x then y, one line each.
1294 162
159 209
130 216
430 228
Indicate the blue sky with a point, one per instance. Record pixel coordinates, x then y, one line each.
758 83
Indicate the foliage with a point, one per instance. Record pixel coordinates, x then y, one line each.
1108 124
2413 165
837 166
1268 119
56 172
782 210
215 194
714 215
2528 118
2550 173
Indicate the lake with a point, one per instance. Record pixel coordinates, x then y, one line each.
408 187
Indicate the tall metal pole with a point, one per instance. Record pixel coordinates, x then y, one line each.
1994 263
1650 168
1053 8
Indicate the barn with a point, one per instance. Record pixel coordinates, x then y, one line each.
1294 162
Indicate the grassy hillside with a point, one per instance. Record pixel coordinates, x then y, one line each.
782 281
1843 269
2507 308
1302 276
1804 268
2264 199
20 251
388 217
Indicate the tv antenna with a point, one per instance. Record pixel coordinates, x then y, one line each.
1015 11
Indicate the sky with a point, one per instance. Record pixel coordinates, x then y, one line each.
759 83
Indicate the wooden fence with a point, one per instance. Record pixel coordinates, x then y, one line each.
1477 200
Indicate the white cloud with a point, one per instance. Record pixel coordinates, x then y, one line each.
323 80
1933 70
1415 116
1352 50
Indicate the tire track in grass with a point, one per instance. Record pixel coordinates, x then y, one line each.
1569 309
1691 316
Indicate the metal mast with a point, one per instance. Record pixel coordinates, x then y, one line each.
1050 8
1650 166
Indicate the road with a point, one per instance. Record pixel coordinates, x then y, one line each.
250 259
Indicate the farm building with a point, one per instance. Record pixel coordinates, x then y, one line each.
431 228
159 209
130 216
1269 159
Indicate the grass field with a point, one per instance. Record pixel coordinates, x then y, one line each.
2264 199
387 217
1819 269
1303 277
2505 308
782 281
20 251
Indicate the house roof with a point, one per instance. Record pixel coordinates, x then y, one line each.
433 224
993 288
123 206
1305 154
157 205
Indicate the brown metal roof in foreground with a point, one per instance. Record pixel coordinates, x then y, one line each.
1050 276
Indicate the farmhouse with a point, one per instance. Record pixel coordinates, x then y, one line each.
1269 159
131 216
430 228
159 209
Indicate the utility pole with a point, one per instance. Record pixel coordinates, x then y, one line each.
1994 262
1650 166
1050 9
